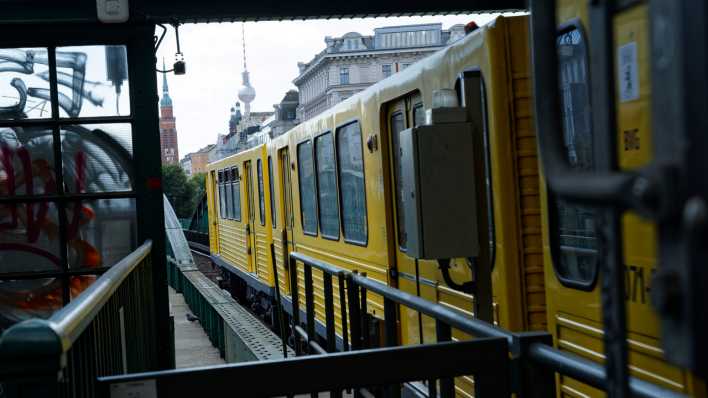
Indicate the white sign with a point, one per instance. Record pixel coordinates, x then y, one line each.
135 389
628 72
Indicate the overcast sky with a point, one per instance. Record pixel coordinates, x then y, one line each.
213 54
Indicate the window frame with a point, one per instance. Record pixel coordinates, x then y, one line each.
552 200
220 190
402 113
228 194
235 192
261 192
342 73
299 186
365 242
271 186
336 186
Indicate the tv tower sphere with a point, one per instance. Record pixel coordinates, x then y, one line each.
246 93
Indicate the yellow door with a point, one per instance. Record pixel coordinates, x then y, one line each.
213 213
415 277
286 209
250 209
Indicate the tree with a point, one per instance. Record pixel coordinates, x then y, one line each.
179 190
199 182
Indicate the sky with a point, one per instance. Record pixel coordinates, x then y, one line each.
203 96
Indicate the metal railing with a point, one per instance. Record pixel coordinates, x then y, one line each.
108 329
332 372
533 359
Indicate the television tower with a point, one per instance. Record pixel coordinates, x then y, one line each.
246 93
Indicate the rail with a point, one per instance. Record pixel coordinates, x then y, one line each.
107 329
527 350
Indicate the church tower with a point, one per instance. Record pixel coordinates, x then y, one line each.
168 127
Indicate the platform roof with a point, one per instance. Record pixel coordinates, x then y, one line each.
183 11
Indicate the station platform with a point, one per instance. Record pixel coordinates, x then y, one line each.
192 345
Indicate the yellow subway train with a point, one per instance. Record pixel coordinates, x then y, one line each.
330 188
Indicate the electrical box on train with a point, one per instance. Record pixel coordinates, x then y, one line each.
438 186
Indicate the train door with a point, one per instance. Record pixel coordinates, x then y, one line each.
261 227
250 208
415 277
286 208
214 215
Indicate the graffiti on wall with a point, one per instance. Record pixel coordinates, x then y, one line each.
45 230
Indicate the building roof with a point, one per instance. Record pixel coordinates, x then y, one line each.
353 43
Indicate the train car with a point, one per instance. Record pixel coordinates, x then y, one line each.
335 189
240 225
571 232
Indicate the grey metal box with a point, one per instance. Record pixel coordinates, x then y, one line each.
439 191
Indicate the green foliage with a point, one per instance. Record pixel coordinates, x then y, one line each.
179 190
183 193
199 182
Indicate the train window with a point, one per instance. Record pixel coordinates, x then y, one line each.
228 196
397 125
350 160
220 183
306 176
272 192
575 235
418 115
327 186
261 198
235 195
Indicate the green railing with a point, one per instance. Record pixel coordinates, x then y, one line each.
107 330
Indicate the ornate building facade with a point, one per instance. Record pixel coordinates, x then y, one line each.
353 62
168 127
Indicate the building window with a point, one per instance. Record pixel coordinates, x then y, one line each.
306 176
386 69
327 186
404 66
344 76
351 179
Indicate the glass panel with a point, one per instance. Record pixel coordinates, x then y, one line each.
24 84
327 186
100 232
29 240
261 199
79 283
97 157
228 196
93 81
418 115
222 201
28 298
397 125
307 187
27 161
236 203
271 183
577 236
351 181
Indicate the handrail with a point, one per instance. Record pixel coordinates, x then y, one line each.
70 321
591 372
455 318
520 344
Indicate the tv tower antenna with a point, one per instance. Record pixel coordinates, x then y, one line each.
246 92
